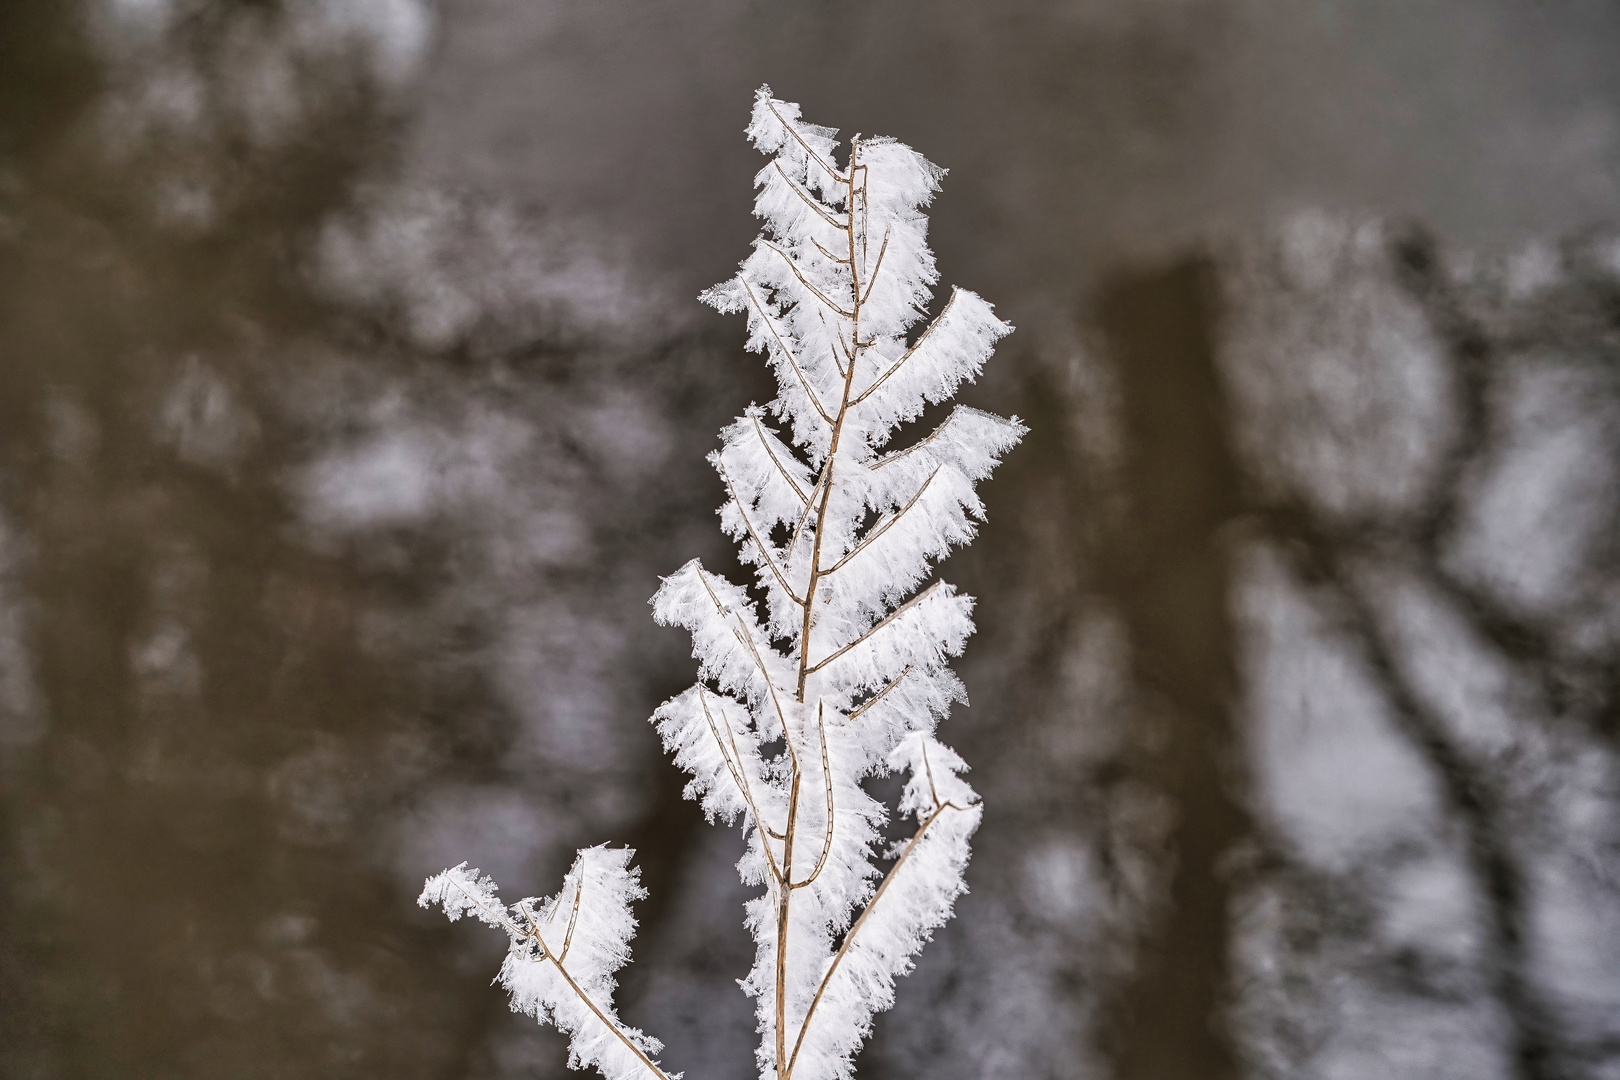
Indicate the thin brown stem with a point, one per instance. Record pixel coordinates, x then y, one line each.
784 898
817 293
804 518
740 631
573 917
808 149
928 771
600 1015
770 452
830 256
479 904
826 482
871 281
809 200
877 697
545 953
894 367
837 432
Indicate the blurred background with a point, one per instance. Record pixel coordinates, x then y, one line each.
353 394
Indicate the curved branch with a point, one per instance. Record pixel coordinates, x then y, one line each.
871 281
877 697
808 149
501 916
740 777
830 256
813 203
928 770
804 518
600 1015
573 917
759 429
546 954
740 631
826 776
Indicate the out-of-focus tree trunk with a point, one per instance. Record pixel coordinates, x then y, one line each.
1169 575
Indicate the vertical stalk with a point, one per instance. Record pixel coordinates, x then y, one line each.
825 481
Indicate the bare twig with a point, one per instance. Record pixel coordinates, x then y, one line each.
740 776
545 954
817 293
812 202
871 281
808 149
770 452
573 917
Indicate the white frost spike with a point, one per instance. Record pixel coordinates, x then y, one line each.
462 892
831 665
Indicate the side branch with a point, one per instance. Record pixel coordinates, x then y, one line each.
573 917
871 281
741 778
885 621
815 399
810 202
600 1015
499 916
804 518
881 379
747 640
771 453
883 526
830 256
753 534
849 938
819 295
533 933
879 696
808 149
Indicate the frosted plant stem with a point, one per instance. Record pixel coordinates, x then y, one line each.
869 640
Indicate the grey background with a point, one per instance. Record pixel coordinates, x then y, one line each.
354 396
